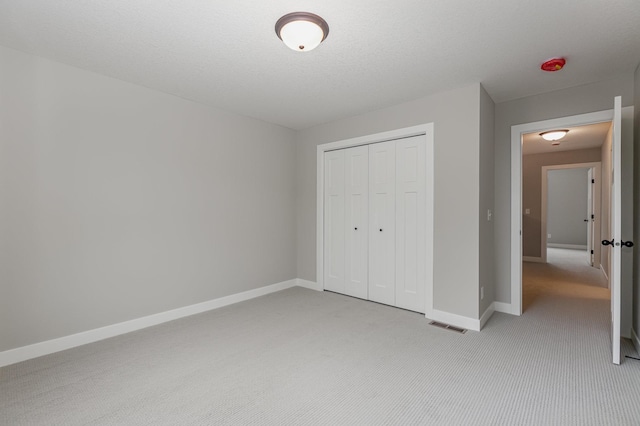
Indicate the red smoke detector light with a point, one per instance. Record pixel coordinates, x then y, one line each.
554 64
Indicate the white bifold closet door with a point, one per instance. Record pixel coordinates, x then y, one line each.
334 247
411 233
345 221
382 223
375 222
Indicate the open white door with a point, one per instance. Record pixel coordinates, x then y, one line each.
615 281
590 216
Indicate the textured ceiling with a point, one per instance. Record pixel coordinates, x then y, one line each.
378 53
581 137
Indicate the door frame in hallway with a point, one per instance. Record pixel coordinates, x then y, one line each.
517 132
595 243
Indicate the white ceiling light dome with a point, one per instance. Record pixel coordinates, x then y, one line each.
554 135
302 31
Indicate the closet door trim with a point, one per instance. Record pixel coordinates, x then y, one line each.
424 129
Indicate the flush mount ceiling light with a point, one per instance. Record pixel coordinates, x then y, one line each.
302 31
554 135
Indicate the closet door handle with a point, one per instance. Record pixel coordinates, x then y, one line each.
380 229
356 228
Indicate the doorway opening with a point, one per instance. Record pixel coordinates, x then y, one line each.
562 220
518 210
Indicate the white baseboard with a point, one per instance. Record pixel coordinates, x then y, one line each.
35 350
567 246
312 285
506 308
606 277
532 259
454 319
635 340
487 314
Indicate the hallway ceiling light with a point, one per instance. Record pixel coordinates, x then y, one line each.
554 135
302 31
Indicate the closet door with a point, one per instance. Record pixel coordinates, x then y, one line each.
382 200
410 218
356 220
334 223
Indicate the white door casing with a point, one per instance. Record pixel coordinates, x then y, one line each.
590 215
515 304
544 190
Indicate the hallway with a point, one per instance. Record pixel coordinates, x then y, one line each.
566 276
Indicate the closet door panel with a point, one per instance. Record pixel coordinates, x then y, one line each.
357 220
382 200
410 274
334 221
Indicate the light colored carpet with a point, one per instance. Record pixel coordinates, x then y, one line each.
566 274
305 358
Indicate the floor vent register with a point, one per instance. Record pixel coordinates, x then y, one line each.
448 327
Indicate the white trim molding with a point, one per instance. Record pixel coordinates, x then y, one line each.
544 190
35 350
606 277
567 246
454 319
516 187
636 340
505 308
487 314
308 284
533 259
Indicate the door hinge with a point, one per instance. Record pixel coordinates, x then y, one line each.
593 216
593 181
591 251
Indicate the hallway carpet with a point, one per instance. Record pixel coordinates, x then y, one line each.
300 357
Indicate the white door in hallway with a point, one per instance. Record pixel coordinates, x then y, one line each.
382 222
590 216
615 281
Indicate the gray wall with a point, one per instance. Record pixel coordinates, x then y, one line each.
118 202
487 258
567 195
636 215
532 192
576 100
456 119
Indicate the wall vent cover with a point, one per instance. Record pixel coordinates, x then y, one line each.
448 327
